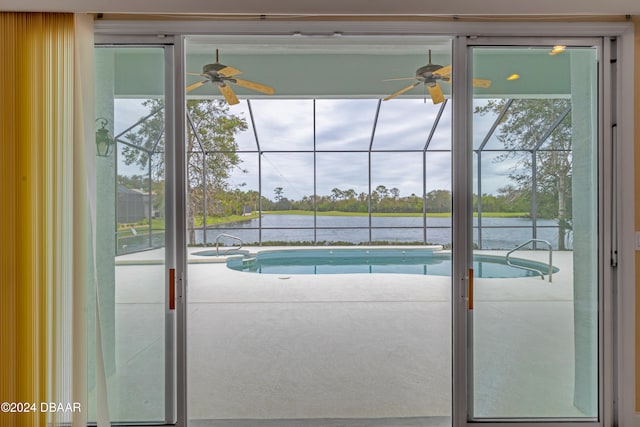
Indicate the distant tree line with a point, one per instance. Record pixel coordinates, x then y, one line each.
212 155
383 200
225 202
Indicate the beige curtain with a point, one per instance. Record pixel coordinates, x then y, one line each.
46 140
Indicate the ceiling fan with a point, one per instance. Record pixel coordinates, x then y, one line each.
221 75
429 75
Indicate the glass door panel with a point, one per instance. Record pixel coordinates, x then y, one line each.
535 204
130 234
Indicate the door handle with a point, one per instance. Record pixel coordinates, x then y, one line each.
470 289
172 289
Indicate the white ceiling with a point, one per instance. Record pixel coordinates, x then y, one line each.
325 44
334 7
343 67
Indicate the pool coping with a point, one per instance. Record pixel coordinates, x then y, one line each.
156 256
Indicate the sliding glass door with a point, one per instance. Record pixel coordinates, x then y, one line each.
493 167
533 326
131 320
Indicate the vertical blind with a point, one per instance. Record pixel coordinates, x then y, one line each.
43 209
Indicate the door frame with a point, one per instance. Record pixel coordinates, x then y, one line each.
463 231
618 309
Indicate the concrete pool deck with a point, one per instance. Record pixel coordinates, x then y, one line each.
342 347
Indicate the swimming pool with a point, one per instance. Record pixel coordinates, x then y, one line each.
398 261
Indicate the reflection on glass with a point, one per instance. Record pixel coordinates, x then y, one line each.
492 171
483 136
130 224
438 198
535 346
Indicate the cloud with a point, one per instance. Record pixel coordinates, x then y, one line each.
127 112
284 124
343 126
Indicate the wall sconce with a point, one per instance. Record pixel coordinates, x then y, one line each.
104 143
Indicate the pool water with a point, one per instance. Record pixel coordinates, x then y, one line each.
397 261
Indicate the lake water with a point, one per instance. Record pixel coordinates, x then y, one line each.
496 233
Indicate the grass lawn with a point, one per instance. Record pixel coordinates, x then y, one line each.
158 224
199 222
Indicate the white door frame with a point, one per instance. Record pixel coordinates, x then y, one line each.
463 226
620 376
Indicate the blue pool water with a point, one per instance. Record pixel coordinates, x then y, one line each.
399 261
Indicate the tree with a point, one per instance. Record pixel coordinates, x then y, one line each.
336 194
395 193
514 199
350 194
381 191
278 193
211 153
527 134
133 181
439 201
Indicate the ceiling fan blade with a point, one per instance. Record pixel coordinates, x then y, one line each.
444 71
196 85
228 94
229 71
399 78
401 91
481 83
194 74
436 93
255 86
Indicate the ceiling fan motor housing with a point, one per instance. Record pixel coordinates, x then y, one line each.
212 69
425 73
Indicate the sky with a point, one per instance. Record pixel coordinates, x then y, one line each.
341 127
